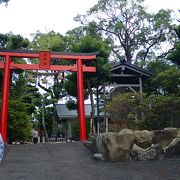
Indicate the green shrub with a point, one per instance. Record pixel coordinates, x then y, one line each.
150 112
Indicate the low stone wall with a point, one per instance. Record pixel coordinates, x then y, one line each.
137 145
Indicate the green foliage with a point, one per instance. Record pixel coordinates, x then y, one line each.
93 43
48 114
26 93
86 42
174 56
164 80
161 111
23 96
23 99
132 31
19 123
11 41
168 81
71 104
89 41
152 112
157 66
48 41
76 129
124 108
51 41
70 85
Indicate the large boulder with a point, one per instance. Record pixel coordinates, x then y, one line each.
143 138
173 149
164 137
118 145
97 145
93 145
154 152
136 152
178 134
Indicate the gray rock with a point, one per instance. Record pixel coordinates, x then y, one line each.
136 151
97 145
143 138
173 149
178 133
118 145
93 145
164 137
99 157
155 152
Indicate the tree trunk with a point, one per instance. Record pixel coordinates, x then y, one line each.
98 111
92 129
55 121
105 113
128 56
44 125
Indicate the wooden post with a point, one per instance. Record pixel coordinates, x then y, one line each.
140 87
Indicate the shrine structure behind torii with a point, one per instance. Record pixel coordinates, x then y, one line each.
45 64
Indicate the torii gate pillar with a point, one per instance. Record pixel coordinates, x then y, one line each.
81 110
5 97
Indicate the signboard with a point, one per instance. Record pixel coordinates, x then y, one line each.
44 59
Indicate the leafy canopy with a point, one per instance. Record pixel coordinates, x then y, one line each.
174 56
133 32
4 1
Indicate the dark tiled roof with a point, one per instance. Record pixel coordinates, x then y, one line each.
133 67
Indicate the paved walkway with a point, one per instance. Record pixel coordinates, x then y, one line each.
72 161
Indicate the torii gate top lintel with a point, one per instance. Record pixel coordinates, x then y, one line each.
49 55
57 55
44 64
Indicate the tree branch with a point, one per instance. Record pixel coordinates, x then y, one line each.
45 89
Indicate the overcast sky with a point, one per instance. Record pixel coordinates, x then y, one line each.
25 17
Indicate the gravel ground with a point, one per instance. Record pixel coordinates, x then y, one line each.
72 161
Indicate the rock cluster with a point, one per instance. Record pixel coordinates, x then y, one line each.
137 145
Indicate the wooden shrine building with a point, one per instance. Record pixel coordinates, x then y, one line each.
126 76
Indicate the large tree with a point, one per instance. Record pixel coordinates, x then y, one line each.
85 40
24 98
174 56
165 78
54 42
12 41
133 32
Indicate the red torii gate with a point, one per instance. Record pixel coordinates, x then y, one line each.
45 57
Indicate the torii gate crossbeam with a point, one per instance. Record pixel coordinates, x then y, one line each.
45 57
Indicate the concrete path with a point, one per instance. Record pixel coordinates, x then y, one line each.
72 161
